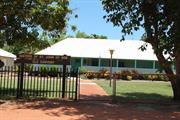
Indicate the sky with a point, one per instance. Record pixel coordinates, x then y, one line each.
90 20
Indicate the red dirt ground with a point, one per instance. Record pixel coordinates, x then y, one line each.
86 109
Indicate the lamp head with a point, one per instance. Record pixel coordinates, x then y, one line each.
111 51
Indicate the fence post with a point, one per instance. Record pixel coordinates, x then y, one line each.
64 80
20 80
77 80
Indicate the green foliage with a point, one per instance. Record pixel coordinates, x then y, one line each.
94 36
22 20
160 19
91 75
43 71
103 73
82 70
53 71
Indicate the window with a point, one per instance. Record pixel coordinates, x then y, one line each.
90 62
75 62
144 64
106 63
126 63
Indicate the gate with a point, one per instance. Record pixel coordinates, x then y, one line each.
25 81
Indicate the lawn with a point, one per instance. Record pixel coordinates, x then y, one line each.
139 90
48 87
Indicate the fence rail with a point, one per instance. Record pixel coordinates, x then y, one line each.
21 81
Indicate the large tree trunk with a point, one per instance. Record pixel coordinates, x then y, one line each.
174 79
177 80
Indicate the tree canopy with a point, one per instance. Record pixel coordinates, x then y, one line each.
22 21
161 21
94 36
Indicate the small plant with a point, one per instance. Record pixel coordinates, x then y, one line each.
82 70
53 71
124 74
91 75
135 74
129 77
43 71
103 73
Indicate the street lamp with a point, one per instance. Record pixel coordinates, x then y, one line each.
114 80
111 53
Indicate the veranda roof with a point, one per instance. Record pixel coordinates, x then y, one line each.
4 53
99 48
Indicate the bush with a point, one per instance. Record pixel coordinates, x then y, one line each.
43 71
135 74
91 75
103 73
129 77
53 71
155 77
82 70
117 75
124 74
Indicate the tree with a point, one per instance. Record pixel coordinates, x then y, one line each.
161 21
94 36
22 20
30 47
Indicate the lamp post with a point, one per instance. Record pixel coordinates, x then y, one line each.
114 80
111 53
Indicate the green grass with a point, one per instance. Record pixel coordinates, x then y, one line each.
36 87
139 91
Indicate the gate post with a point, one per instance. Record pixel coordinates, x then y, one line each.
77 84
20 80
64 80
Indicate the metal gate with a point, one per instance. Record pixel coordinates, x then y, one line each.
28 81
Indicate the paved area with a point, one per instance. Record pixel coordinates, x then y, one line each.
91 91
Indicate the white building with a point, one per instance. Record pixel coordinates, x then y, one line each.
7 58
93 54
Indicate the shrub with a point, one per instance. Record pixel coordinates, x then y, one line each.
103 73
135 74
152 77
124 74
82 70
53 71
129 77
91 75
43 71
117 75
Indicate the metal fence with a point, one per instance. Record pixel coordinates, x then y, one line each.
46 82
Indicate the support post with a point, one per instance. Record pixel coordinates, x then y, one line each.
64 80
20 80
76 89
111 53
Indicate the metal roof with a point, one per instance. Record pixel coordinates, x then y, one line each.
4 53
99 48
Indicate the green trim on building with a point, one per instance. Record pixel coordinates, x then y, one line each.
126 63
144 64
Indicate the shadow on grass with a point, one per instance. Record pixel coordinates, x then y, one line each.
143 97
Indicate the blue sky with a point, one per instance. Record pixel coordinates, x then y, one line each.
90 20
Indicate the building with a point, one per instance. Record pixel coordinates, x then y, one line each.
94 54
6 58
